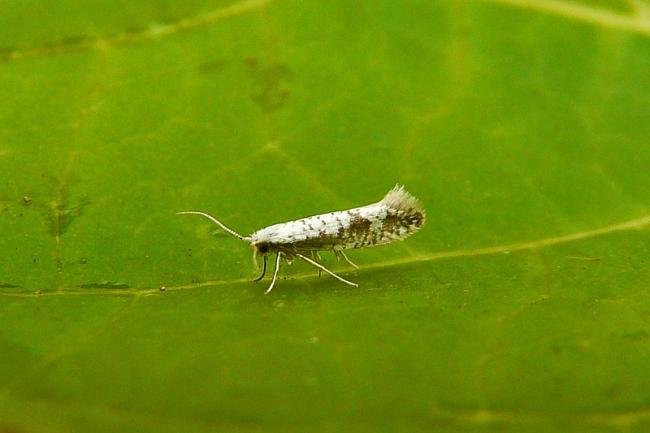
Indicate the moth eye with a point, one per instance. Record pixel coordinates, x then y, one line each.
264 248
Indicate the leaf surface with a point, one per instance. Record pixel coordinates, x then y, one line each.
522 126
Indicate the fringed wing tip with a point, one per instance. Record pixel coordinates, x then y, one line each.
400 199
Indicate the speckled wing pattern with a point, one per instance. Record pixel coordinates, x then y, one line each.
394 217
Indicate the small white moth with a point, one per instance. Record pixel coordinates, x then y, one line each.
396 216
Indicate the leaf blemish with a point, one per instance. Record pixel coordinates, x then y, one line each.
104 285
212 66
73 40
269 93
60 215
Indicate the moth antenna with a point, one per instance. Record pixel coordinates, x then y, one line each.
217 222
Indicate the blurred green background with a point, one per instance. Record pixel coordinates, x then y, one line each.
522 125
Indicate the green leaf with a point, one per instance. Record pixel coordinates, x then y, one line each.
522 125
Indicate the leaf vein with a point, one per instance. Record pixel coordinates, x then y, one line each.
635 224
639 23
152 31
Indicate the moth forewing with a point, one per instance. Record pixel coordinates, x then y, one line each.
394 217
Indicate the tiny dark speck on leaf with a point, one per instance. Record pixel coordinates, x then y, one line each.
251 62
134 29
212 66
73 40
612 392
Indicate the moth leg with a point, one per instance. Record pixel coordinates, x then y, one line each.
324 269
320 260
263 271
348 260
315 256
275 272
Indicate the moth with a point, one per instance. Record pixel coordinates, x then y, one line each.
394 217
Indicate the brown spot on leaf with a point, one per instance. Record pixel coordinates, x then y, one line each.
74 40
269 92
212 66
134 30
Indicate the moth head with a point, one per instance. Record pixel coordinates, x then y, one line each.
261 247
